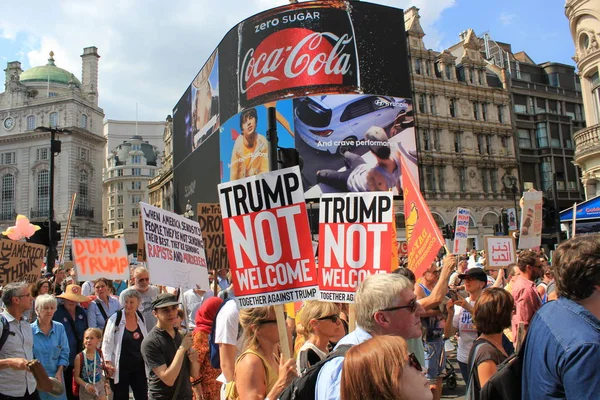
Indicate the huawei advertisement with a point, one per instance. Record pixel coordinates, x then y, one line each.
342 97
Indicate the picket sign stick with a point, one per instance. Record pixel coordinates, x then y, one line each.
64 245
574 219
351 317
215 282
283 333
185 314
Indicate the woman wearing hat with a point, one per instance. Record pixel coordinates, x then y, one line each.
74 319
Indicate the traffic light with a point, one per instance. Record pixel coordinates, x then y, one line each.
289 157
446 232
451 230
55 228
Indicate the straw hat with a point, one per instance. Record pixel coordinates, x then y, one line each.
73 293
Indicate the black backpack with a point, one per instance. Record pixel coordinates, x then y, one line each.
505 384
305 386
5 331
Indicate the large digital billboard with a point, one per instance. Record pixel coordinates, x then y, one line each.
337 73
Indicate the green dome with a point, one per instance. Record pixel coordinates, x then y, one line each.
49 73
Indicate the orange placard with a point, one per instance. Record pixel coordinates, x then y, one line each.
100 258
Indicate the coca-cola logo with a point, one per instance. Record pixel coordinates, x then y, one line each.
295 57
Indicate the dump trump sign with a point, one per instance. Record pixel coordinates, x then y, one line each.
355 234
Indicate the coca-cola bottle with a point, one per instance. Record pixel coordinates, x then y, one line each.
297 50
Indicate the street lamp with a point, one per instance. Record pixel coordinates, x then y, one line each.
510 182
55 147
189 213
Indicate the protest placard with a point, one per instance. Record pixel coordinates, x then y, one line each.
355 236
500 251
211 225
100 258
511 213
20 261
268 239
174 249
531 220
461 230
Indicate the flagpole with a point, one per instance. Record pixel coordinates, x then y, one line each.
574 220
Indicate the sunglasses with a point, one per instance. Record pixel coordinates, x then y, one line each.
332 318
267 321
412 306
414 362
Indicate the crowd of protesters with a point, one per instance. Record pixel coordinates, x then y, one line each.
105 339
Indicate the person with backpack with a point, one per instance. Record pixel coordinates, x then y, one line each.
562 346
88 372
103 306
122 344
226 340
205 386
492 314
16 344
74 319
385 305
260 372
50 343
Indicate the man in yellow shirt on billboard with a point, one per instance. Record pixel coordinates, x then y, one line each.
250 154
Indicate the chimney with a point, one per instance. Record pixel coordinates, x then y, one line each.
13 72
89 73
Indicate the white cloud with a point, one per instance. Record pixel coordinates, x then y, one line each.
150 50
506 18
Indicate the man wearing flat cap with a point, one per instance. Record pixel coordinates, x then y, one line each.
168 354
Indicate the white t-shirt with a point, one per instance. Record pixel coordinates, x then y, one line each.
228 329
193 301
88 289
466 330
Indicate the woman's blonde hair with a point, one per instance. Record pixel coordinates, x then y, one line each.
373 369
250 319
314 309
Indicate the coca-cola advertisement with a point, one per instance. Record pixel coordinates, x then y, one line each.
299 53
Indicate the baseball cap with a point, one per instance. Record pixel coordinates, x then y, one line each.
164 300
381 147
474 273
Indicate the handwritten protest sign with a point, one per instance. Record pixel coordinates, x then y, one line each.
500 251
211 225
100 258
174 249
531 220
461 230
355 235
20 261
268 239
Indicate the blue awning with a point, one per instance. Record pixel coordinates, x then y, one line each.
587 210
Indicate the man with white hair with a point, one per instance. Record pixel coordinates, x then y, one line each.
16 382
385 305
141 283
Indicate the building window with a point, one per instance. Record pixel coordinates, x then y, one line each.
485 180
135 211
134 225
462 179
119 213
541 134
120 199
554 79
482 77
436 139
8 158
448 71
458 142
119 225
111 201
501 114
441 179
136 159
136 185
43 190
540 105
426 140
418 66
504 143
471 75
136 147
120 186
524 139
480 144
427 67
111 214
42 154
8 197
120 172
476 110
488 144
31 123
494 180
546 173
432 105
520 108
136 171
82 196
484 111
136 198
430 178
453 107
84 121
83 153
53 120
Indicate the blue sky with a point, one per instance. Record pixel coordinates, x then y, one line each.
151 49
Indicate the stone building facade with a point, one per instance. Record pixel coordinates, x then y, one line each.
160 188
49 96
584 23
465 137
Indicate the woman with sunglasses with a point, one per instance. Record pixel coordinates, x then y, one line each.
319 323
381 368
259 371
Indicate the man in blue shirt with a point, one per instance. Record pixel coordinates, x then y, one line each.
562 351
385 305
